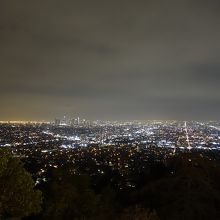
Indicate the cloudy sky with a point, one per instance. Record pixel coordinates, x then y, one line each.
110 59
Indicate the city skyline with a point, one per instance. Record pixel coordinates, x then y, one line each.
110 60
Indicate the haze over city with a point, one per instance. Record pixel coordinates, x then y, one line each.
110 60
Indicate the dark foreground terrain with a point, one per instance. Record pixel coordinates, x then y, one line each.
111 183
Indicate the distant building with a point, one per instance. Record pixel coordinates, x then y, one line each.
75 121
57 122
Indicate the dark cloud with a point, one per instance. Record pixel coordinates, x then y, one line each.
207 71
110 59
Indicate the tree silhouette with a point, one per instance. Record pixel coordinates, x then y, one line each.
18 198
188 192
107 204
69 197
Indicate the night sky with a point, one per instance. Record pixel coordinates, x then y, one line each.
110 59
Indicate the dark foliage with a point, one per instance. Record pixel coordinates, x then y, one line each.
18 198
184 187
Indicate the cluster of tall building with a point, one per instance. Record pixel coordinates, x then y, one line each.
70 122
